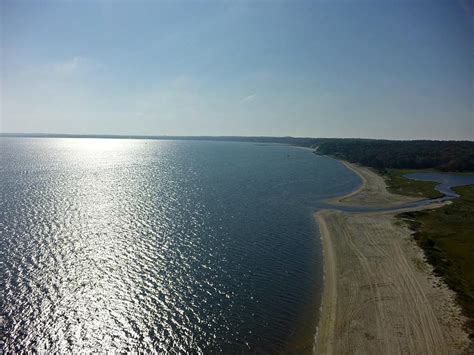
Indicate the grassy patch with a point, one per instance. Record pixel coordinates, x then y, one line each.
401 185
447 236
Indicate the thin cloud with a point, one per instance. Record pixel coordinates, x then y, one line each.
74 65
249 98
57 70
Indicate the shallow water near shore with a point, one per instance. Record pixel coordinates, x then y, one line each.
141 245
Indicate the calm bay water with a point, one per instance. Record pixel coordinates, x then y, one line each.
141 245
446 181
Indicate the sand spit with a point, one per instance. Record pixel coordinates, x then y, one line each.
372 193
380 295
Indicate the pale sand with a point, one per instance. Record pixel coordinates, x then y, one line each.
372 193
380 296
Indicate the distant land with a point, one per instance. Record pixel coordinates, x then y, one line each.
380 154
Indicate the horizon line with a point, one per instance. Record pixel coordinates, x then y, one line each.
202 137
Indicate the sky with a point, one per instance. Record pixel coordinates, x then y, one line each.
395 69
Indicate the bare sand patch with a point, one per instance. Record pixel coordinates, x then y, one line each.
372 193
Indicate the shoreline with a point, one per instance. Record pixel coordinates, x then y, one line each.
380 294
323 337
372 193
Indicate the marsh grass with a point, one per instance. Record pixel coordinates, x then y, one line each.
399 184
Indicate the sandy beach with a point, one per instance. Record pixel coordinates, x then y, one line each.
372 192
380 295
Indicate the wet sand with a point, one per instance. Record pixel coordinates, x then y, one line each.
380 295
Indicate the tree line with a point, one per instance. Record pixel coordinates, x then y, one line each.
385 154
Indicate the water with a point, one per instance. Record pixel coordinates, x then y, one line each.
446 181
141 245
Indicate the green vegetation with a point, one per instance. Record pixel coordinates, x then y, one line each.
384 154
399 184
376 153
447 236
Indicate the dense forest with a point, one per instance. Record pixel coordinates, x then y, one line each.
384 154
379 154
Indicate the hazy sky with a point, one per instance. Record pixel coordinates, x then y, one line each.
380 69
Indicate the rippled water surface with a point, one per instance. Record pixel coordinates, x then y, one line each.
141 245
